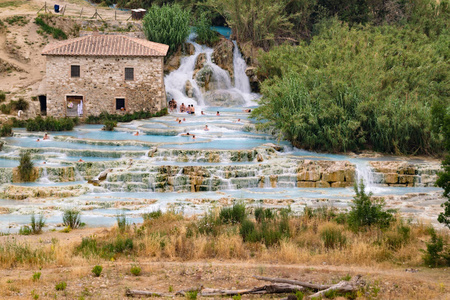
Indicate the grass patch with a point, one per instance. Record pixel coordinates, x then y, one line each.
104 116
72 218
17 20
4 4
55 32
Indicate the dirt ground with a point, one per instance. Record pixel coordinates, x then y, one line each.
171 276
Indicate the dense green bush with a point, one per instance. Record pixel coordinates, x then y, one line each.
37 224
20 104
367 212
25 167
205 35
97 270
6 108
168 24
233 215
437 252
109 125
135 270
357 88
50 124
104 116
5 130
55 32
2 96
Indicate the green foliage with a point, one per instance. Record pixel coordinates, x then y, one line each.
270 232
109 125
61 286
299 295
72 218
89 247
205 35
437 253
20 104
122 223
55 32
25 230
25 167
37 224
6 130
50 124
2 96
97 270
168 24
233 215
6 108
237 297
191 295
17 20
357 88
135 270
367 212
263 214
333 237
104 116
152 215
36 276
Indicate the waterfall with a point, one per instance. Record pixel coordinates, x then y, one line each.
44 177
220 85
241 81
364 172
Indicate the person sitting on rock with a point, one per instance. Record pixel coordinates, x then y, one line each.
137 133
206 128
192 110
182 108
189 109
218 113
174 104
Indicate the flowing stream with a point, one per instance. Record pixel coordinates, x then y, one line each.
104 172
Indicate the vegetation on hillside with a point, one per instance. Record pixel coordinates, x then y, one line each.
360 87
168 24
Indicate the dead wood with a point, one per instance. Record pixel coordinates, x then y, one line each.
294 282
266 289
183 292
136 293
342 286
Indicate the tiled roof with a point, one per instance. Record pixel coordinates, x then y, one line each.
106 45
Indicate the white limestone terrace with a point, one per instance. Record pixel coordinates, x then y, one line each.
162 167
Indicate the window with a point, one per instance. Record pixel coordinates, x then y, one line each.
74 71
120 103
129 73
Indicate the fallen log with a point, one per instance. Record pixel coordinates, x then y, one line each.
136 293
342 286
266 289
183 292
294 282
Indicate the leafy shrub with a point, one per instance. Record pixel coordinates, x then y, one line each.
25 230
37 224
2 96
168 24
122 222
90 247
191 295
19 20
263 214
333 237
50 124
233 215
97 270
55 32
135 270
26 167
205 35
72 218
104 116
365 212
152 215
36 276
6 130
299 295
109 125
20 104
269 232
61 286
6 108
437 253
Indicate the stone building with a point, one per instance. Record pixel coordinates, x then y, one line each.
103 73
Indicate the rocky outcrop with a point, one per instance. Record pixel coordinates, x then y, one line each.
324 174
24 192
253 78
173 62
223 56
402 173
223 98
189 89
203 78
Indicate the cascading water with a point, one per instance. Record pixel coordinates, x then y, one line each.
364 173
220 85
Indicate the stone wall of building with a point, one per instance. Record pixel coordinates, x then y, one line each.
102 80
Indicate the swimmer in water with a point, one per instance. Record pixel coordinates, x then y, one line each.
217 114
203 113
80 160
193 136
38 140
46 137
206 128
248 110
137 133
185 134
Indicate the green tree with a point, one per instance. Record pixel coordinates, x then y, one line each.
168 24
444 177
25 167
205 35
